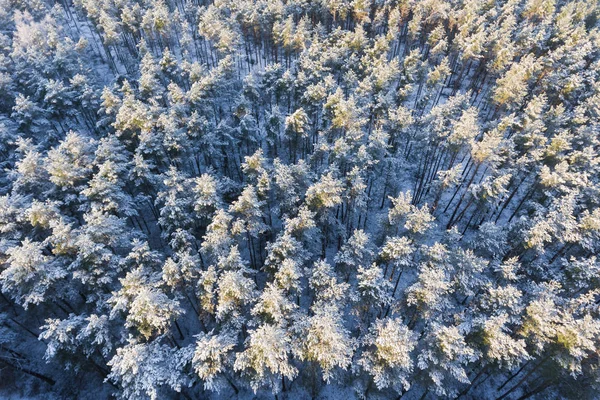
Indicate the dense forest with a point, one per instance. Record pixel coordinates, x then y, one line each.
300 199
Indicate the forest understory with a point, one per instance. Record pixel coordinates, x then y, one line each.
300 199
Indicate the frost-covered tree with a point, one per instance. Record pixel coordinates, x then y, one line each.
266 358
373 198
146 370
388 356
30 274
212 358
446 358
326 342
